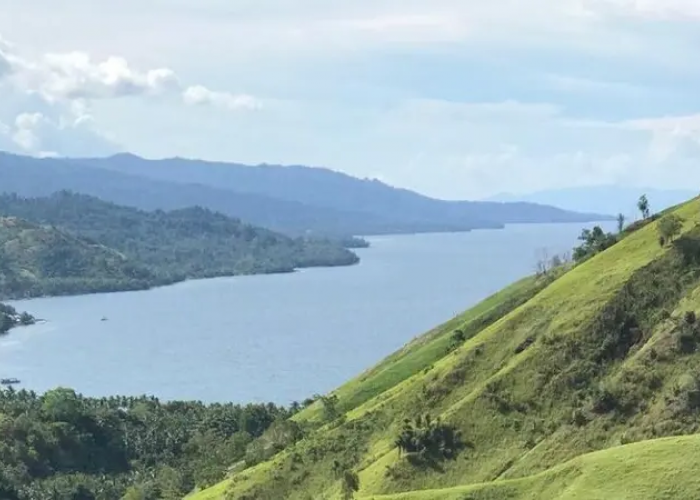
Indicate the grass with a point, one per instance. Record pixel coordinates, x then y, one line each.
549 371
652 470
214 493
425 350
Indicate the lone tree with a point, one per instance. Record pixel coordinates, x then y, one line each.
330 407
620 222
669 227
643 206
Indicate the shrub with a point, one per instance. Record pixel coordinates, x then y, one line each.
604 400
330 407
669 227
458 338
594 241
426 440
579 417
690 317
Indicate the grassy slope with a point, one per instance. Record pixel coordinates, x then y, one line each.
425 350
651 470
596 330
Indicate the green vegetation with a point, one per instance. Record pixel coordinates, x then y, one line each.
36 261
578 383
353 242
537 393
620 223
63 446
669 227
82 244
653 470
427 440
594 241
643 206
10 318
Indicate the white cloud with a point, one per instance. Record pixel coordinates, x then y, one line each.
76 76
57 91
574 84
245 30
673 138
5 67
198 95
26 127
460 150
684 126
39 134
6 62
425 27
298 51
650 9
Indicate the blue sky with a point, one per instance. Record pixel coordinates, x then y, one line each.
454 98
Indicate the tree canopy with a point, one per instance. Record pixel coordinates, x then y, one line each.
62 445
71 243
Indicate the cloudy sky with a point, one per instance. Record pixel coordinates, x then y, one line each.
454 98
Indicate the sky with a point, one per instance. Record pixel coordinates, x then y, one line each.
453 98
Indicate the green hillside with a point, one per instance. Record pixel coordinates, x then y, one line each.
37 260
658 469
169 246
513 398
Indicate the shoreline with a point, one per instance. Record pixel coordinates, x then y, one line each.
166 283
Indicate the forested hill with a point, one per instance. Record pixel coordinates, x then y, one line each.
37 260
62 446
290 200
100 246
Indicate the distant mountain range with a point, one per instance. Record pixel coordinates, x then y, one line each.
290 199
605 199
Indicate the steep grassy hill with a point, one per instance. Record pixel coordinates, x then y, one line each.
658 469
37 260
513 399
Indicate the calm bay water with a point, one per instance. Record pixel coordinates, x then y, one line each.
269 338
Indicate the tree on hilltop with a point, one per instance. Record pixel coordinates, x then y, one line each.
643 206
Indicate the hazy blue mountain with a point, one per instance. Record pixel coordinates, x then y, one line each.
34 177
323 187
290 199
606 199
